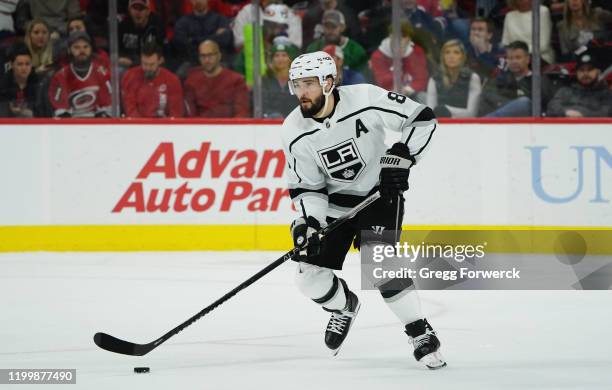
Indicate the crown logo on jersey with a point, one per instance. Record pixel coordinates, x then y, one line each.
348 173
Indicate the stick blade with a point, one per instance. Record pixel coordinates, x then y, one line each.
113 344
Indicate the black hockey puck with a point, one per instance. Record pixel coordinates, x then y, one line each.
141 370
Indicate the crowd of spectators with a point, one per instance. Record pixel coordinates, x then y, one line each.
196 58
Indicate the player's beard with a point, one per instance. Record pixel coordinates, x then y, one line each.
315 106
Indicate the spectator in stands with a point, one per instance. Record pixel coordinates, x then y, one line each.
456 20
7 9
149 90
517 27
76 24
246 16
213 91
96 15
79 24
54 12
556 8
277 100
581 24
311 22
139 28
414 65
374 25
420 19
202 24
20 92
432 7
275 26
484 56
170 11
485 7
81 88
588 96
509 95
334 25
604 4
454 91
39 43
426 32
346 76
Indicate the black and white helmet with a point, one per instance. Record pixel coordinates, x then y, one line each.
318 64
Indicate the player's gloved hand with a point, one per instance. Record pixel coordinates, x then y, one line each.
304 236
395 169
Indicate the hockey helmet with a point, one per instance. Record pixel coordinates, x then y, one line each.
318 64
276 13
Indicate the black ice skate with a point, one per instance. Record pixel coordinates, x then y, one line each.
341 321
426 344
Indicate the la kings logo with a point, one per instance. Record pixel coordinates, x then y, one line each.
342 161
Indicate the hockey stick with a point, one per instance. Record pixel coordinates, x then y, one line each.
113 344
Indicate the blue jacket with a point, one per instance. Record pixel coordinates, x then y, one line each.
350 77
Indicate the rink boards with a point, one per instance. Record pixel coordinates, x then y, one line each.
220 186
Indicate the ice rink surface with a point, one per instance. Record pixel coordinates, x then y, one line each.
271 337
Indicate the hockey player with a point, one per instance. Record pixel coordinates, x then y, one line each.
336 154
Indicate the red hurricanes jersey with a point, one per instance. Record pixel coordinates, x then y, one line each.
81 96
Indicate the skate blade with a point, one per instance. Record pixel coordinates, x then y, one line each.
335 351
433 361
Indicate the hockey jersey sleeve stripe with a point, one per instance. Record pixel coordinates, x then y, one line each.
426 143
300 137
296 192
372 108
349 201
426 115
409 135
309 196
294 159
295 169
425 118
307 186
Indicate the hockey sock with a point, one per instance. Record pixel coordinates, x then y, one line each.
321 285
402 298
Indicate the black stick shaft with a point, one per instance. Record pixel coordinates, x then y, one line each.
229 295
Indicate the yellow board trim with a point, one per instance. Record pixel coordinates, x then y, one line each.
100 238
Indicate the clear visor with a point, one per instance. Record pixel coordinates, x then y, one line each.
301 86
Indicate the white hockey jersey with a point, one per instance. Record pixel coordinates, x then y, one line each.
334 163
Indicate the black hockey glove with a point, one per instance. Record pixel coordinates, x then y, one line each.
304 236
395 169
